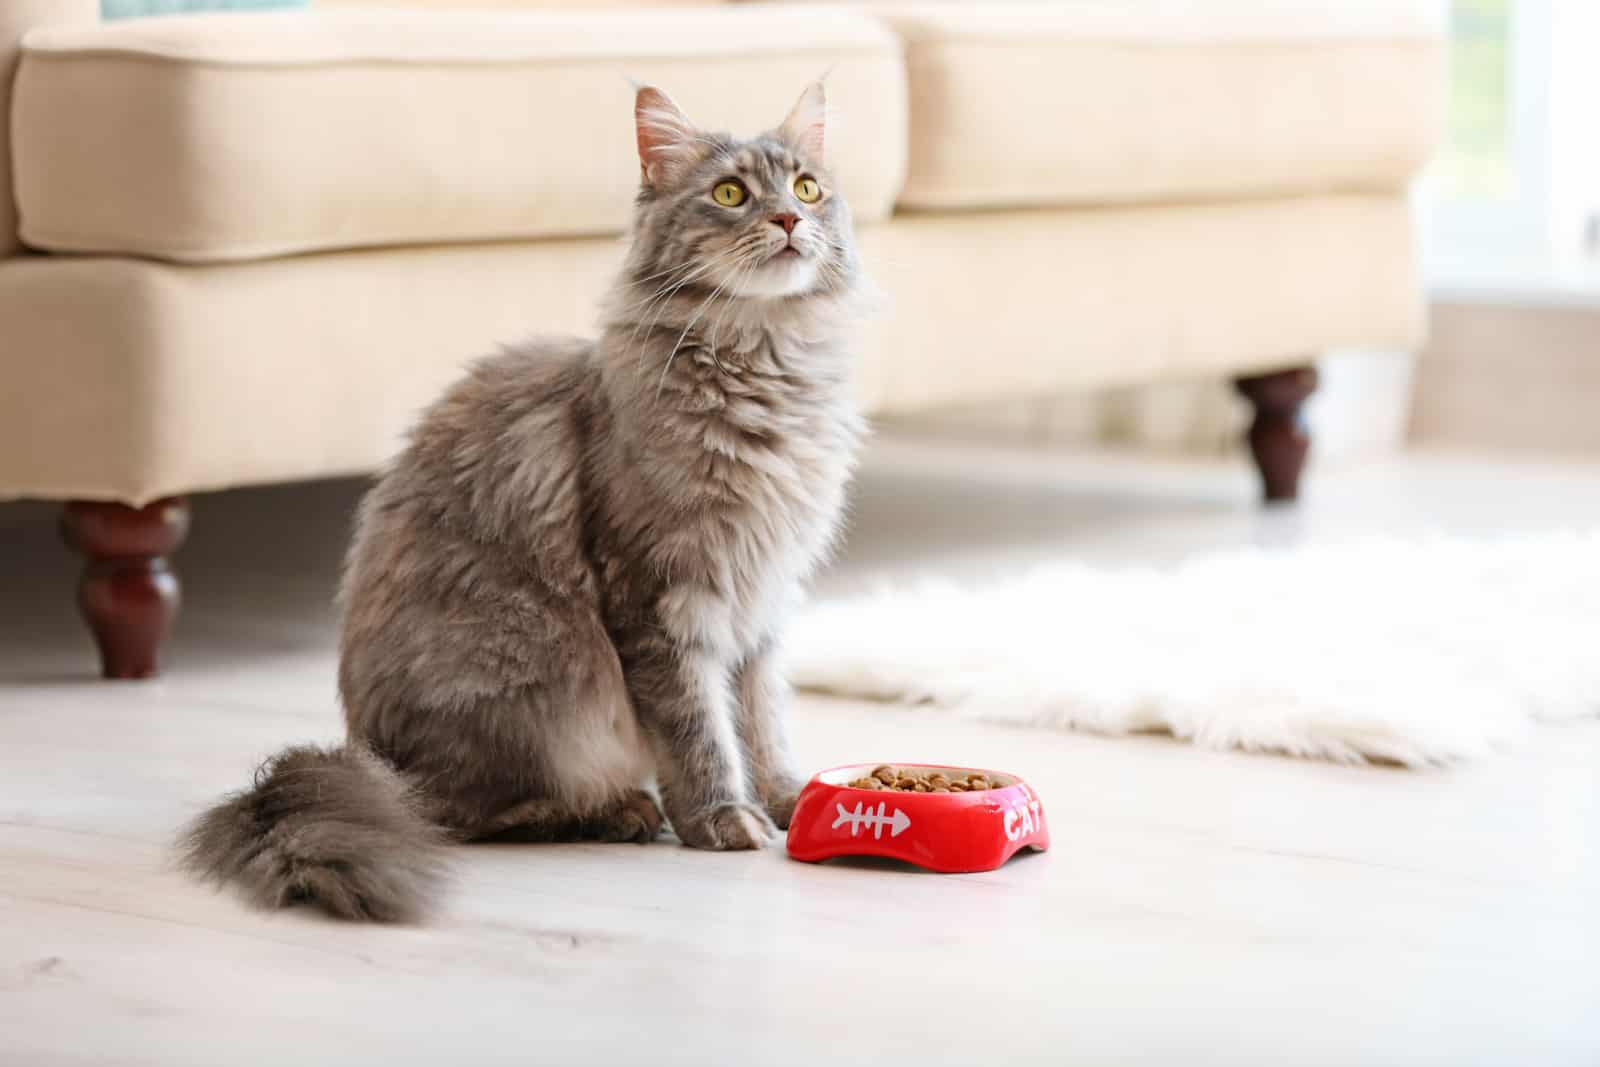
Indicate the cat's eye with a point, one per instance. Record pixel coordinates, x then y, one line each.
806 189
729 193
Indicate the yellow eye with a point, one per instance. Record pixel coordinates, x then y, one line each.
729 194
807 190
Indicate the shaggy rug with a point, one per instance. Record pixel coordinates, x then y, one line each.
1412 652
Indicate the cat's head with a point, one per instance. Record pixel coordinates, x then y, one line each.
749 218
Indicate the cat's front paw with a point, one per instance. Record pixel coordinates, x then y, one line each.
727 827
779 802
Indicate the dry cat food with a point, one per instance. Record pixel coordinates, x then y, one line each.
908 780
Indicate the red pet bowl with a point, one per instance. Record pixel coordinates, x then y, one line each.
947 832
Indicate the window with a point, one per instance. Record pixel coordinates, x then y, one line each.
1487 191
1516 187
1475 163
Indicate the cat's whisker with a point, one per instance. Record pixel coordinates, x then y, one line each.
672 273
680 277
754 264
673 354
676 269
664 298
647 328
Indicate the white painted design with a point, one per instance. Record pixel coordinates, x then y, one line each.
877 820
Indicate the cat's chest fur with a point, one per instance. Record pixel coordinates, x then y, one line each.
754 451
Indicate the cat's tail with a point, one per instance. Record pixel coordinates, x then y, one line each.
336 828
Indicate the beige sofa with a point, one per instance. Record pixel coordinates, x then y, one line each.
247 248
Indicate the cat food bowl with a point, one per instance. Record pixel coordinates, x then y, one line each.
973 828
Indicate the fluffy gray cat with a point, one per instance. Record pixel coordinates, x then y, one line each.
573 581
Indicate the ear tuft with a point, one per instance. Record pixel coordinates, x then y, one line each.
664 133
806 124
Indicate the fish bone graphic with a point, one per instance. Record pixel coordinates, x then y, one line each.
865 817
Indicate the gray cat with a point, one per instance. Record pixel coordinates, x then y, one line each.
574 579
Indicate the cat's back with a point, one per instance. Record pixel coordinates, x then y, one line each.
522 393
491 474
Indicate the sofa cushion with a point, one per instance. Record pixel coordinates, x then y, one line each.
1034 104
18 17
228 137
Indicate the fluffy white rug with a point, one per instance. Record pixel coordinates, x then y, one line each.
1416 652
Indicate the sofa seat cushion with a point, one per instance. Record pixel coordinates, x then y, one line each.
1027 104
215 138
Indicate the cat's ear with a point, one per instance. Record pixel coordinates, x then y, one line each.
665 134
806 124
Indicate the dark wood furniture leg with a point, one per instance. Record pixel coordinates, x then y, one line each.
1278 436
128 594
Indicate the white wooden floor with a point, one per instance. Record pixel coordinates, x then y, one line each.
1196 908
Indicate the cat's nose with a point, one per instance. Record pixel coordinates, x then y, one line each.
787 221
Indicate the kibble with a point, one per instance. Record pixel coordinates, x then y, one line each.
906 780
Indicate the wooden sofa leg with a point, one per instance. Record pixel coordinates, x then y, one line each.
1278 436
128 594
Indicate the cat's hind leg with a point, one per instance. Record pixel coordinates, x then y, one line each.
636 817
633 816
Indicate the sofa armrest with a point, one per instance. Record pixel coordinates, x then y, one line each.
16 18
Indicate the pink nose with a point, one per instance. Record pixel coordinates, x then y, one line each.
787 221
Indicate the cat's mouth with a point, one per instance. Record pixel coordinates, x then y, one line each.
786 271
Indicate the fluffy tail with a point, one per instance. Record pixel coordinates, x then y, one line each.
336 828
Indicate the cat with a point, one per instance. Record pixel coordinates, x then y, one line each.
571 585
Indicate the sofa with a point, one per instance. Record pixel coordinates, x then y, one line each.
239 249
